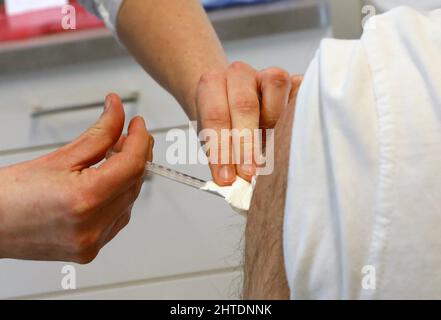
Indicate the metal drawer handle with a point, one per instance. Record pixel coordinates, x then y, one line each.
41 112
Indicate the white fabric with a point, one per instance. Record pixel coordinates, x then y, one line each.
107 10
364 185
238 195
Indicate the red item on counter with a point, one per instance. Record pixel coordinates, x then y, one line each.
42 22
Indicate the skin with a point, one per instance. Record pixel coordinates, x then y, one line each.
175 43
265 276
59 207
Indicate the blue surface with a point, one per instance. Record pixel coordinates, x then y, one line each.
214 4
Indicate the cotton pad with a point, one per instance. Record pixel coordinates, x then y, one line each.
238 195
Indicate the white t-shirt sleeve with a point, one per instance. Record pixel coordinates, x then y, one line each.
107 10
332 167
363 204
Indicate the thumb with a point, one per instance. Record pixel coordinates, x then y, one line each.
91 147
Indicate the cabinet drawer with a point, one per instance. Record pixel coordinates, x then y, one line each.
48 107
52 125
218 286
175 230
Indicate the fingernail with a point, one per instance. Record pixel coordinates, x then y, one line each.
227 174
248 169
108 103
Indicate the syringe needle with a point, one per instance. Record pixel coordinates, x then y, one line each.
174 175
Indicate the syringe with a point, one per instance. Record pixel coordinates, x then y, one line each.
177 176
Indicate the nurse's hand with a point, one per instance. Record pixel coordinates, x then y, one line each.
59 207
241 98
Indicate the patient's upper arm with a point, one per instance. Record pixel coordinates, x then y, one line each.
264 265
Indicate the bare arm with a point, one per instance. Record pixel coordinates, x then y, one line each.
175 43
265 276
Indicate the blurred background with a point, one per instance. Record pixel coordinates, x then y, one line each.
180 244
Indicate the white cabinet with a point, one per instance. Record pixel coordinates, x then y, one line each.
207 286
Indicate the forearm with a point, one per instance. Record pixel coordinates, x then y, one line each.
175 43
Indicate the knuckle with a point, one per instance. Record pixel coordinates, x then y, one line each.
126 221
139 167
103 133
239 66
86 258
81 205
98 131
215 118
277 76
84 244
269 118
269 122
246 104
210 76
